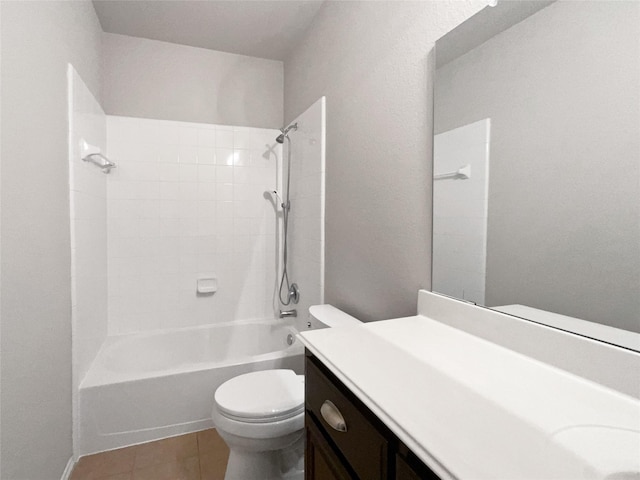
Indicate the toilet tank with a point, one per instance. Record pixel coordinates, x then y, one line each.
325 316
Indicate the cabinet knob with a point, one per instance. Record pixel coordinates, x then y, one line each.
332 416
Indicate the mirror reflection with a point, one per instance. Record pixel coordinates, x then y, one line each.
537 165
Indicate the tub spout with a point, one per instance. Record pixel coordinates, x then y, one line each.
288 313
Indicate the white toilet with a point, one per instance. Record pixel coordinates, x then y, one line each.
260 416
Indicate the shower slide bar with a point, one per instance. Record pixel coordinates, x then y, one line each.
463 173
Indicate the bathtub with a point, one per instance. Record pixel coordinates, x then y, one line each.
144 387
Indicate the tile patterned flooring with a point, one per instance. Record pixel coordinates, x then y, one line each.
195 456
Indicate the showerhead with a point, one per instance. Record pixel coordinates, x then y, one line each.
285 131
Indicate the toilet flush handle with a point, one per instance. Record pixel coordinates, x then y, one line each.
332 416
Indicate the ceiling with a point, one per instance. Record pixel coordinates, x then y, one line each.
258 28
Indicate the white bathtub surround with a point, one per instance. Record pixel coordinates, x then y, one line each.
187 202
148 386
306 223
88 207
470 408
460 211
191 243
88 211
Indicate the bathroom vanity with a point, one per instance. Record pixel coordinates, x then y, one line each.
415 397
345 439
527 221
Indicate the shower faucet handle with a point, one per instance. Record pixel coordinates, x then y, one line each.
288 313
294 293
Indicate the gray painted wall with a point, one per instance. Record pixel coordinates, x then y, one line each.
38 40
564 214
153 79
372 61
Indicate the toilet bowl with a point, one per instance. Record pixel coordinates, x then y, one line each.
260 415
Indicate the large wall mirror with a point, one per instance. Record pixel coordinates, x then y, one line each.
537 164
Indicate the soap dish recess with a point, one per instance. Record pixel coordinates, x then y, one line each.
207 285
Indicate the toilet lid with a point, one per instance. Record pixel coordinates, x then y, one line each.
269 394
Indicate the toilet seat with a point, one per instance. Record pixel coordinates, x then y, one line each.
261 397
266 419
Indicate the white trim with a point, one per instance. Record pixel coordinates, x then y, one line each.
66 475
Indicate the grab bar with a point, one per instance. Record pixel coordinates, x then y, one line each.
100 160
462 173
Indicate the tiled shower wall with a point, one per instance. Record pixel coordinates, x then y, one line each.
189 201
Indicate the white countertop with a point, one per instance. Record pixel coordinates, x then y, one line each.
470 409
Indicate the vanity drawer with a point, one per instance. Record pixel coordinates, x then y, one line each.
408 467
362 445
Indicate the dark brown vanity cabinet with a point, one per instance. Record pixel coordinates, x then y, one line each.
345 440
